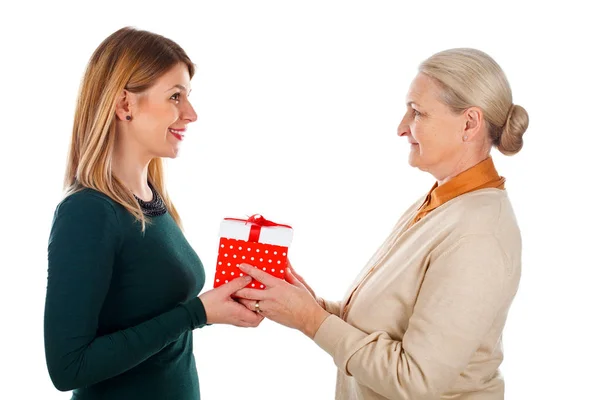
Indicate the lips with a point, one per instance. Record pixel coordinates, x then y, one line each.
178 133
412 141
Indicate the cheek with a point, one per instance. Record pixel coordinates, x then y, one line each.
166 114
422 134
428 138
160 117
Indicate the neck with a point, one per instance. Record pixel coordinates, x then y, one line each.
131 168
456 167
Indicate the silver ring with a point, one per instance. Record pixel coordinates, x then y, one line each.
257 306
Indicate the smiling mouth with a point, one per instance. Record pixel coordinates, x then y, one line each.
177 133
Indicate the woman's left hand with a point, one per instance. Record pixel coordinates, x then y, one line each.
286 302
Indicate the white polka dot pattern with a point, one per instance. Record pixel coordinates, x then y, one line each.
266 255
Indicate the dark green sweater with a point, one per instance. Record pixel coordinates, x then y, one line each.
120 304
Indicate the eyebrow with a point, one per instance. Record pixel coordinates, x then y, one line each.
409 103
179 87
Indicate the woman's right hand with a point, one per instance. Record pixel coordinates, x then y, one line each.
289 279
222 309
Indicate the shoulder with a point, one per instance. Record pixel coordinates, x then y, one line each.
485 219
87 215
88 203
485 211
84 221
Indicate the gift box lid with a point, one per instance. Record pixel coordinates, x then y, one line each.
270 232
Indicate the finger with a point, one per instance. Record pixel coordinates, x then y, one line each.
252 294
246 324
263 306
261 276
296 274
254 320
258 322
249 304
235 285
300 279
246 315
291 278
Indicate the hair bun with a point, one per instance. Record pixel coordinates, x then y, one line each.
511 139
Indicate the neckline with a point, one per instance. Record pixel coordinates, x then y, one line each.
143 202
154 207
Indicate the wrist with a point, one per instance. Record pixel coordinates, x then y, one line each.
321 302
313 323
206 313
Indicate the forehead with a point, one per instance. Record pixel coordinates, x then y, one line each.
423 90
178 75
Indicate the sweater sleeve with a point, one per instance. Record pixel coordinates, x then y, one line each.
333 307
462 294
84 239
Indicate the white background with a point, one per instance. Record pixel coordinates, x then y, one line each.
317 89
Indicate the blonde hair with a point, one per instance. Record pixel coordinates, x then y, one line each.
128 59
470 77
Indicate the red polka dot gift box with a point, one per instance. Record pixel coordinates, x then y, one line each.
255 241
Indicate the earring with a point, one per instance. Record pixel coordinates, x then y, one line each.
128 118
465 138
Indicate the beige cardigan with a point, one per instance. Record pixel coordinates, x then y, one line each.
426 319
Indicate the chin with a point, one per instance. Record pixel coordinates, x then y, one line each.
170 153
413 161
174 154
418 164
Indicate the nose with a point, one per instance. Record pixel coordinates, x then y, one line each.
404 128
188 113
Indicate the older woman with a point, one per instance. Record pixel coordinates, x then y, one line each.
424 319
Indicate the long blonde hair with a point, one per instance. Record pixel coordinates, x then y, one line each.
128 59
470 77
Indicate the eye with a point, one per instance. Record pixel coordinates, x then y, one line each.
176 97
416 113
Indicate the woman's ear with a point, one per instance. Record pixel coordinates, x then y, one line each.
125 100
474 123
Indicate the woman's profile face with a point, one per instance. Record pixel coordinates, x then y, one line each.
433 131
162 112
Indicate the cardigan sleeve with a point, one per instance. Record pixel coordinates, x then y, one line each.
462 294
333 307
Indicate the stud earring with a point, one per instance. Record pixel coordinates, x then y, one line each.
465 138
128 118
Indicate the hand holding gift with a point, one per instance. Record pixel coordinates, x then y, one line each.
221 308
258 248
288 302
296 275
